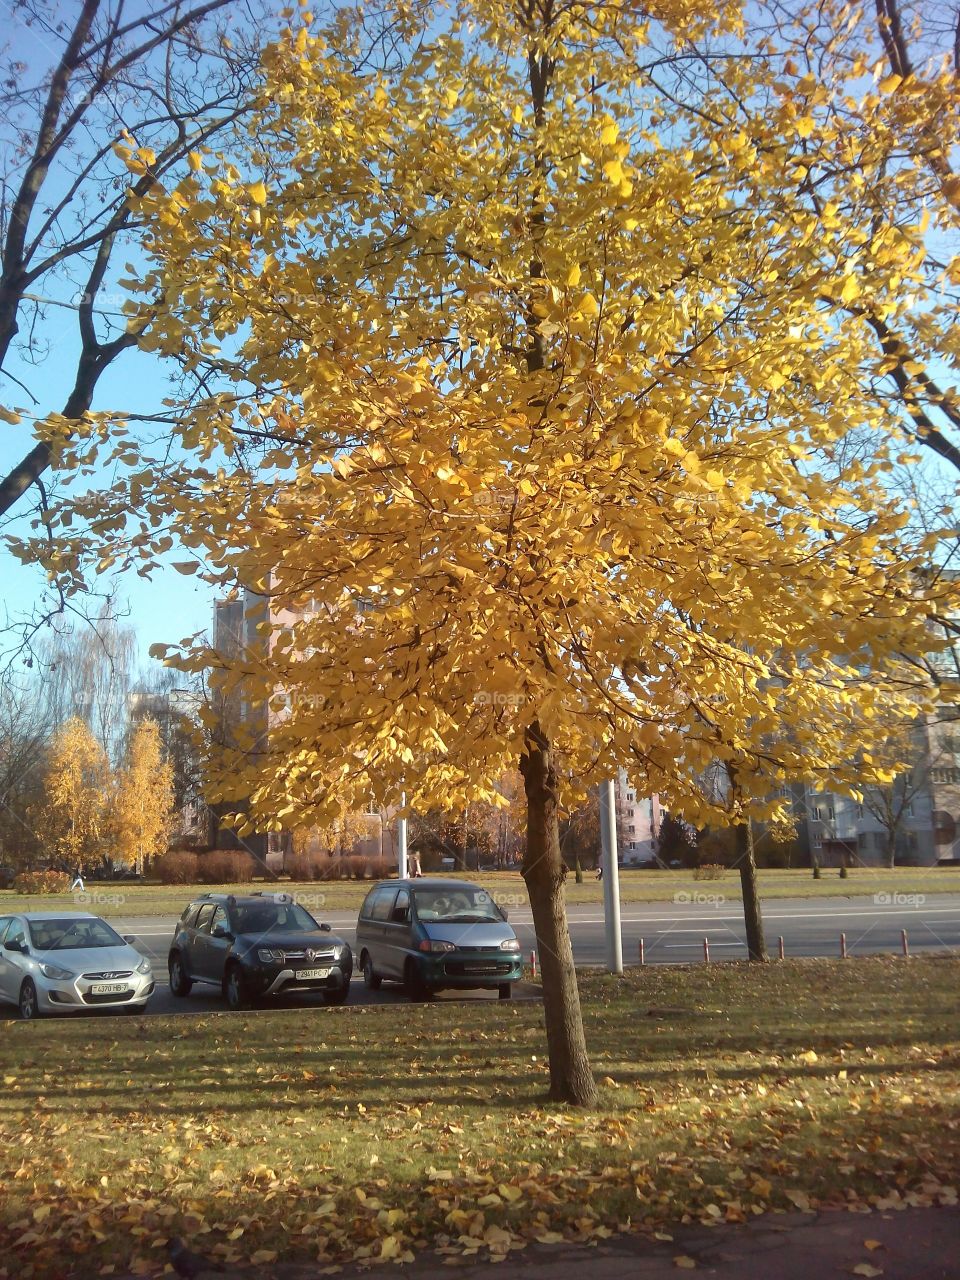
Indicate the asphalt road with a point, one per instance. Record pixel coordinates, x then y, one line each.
672 933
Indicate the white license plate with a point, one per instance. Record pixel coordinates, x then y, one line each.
108 988
308 975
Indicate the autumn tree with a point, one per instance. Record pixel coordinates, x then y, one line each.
142 801
74 812
540 335
25 731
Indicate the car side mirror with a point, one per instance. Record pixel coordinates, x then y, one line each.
325 928
128 937
221 931
505 913
14 946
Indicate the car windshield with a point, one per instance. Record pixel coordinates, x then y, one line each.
272 917
461 905
72 935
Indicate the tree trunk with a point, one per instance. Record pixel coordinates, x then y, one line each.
752 919
571 1079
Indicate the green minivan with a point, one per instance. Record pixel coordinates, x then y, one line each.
432 934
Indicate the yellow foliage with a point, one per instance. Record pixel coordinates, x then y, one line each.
595 507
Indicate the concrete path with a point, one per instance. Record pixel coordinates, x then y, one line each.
911 1244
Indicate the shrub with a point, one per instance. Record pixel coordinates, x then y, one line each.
302 866
176 868
709 871
382 868
225 866
42 882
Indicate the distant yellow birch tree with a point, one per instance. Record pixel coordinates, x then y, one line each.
142 810
77 782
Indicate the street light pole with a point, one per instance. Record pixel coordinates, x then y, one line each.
611 876
402 841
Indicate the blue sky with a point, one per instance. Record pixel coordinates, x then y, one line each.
164 609
169 606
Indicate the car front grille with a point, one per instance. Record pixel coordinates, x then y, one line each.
117 997
110 976
327 956
477 968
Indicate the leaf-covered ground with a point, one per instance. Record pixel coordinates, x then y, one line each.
123 898
372 1133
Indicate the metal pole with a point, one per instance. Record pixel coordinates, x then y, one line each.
402 840
781 948
903 940
611 876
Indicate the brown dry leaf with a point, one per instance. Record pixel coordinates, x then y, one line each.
865 1269
873 1244
684 1262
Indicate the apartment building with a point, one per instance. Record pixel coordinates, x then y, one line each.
638 823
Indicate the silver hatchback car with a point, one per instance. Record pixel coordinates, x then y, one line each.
68 961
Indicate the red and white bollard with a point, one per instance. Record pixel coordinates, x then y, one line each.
780 947
706 951
843 946
533 964
642 956
903 939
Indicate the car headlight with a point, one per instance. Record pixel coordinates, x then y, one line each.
510 944
266 955
434 944
144 966
56 973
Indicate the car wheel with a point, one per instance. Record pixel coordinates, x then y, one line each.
29 1005
180 984
371 978
235 989
503 991
414 983
338 997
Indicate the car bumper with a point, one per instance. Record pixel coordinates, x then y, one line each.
285 982
79 996
470 971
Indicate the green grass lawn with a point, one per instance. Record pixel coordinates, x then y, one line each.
127 899
331 1135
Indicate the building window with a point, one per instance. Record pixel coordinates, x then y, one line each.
630 796
817 840
945 777
823 813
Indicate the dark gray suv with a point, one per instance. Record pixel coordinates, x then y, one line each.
257 946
